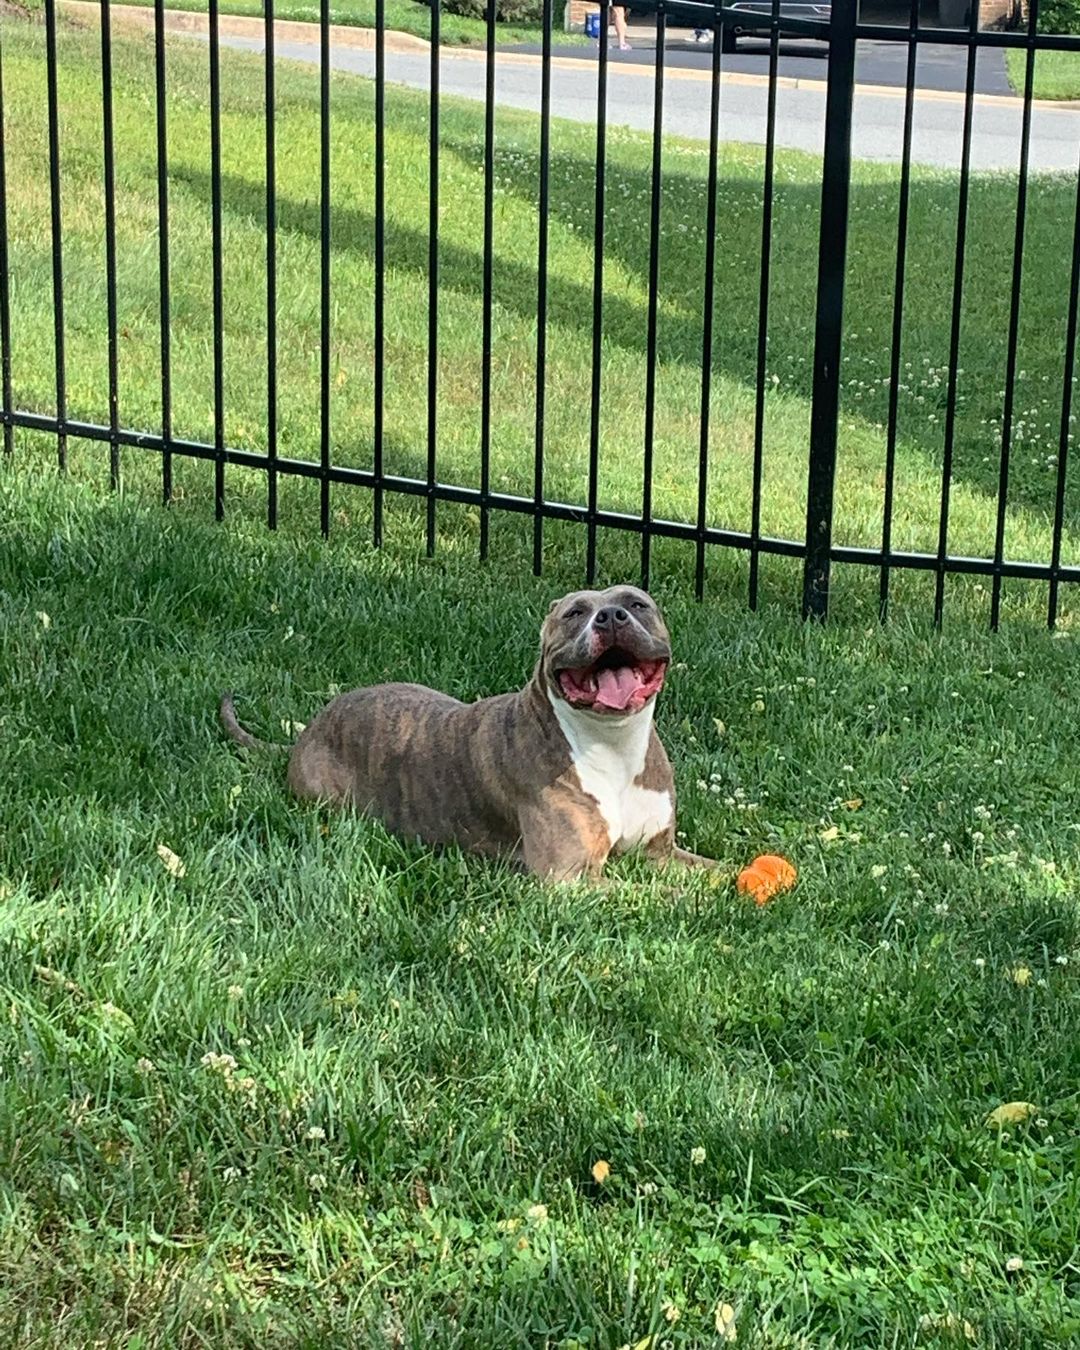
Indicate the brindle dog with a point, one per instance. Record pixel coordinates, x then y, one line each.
556 776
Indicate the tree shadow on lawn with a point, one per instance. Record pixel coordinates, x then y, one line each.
869 295
791 317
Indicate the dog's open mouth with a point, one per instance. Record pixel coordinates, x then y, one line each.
617 682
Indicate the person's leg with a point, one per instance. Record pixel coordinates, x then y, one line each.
619 15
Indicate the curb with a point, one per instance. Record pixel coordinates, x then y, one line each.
734 77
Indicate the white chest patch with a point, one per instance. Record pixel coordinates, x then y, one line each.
608 754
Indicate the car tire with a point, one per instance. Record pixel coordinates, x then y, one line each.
728 40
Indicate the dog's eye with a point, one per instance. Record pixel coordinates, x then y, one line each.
638 604
575 613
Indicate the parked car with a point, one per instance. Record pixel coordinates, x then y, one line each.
731 32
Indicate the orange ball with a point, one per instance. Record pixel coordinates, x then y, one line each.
766 876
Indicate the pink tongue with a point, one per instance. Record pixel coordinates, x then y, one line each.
615 688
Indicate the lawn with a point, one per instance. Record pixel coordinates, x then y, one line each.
1057 74
325 1088
403 16
328 1089
788 369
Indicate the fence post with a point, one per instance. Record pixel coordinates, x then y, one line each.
832 255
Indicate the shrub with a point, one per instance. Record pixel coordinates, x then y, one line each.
506 11
1058 16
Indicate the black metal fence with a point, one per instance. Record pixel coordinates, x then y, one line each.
817 547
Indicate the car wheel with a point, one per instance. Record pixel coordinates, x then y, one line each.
728 40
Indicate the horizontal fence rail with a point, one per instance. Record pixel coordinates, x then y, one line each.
817 549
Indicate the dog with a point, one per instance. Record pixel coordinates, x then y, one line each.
556 777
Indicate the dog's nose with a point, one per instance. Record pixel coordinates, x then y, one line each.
605 618
621 616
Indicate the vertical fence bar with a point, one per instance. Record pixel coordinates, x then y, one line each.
380 266
1066 413
957 310
541 291
763 305
898 313
109 186
57 237
271 271
655 190
433 279
832 259
218 262
708 307
164 319
489 255
5 279
598 293
1014 322
324 266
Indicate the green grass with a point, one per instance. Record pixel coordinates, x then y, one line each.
1057 74
403 16
428 1048
860 475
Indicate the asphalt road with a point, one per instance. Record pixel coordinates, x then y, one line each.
880 63
800 116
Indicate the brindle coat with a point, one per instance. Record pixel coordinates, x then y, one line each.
497 776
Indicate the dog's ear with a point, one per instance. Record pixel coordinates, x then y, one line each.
547 619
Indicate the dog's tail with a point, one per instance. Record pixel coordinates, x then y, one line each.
229 721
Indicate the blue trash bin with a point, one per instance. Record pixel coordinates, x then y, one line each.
592 24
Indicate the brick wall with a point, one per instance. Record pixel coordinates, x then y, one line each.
574 15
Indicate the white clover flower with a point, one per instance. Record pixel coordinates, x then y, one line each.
223 1064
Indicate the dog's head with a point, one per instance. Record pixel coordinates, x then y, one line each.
605 651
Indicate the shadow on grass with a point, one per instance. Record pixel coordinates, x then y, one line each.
180 610
870 291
